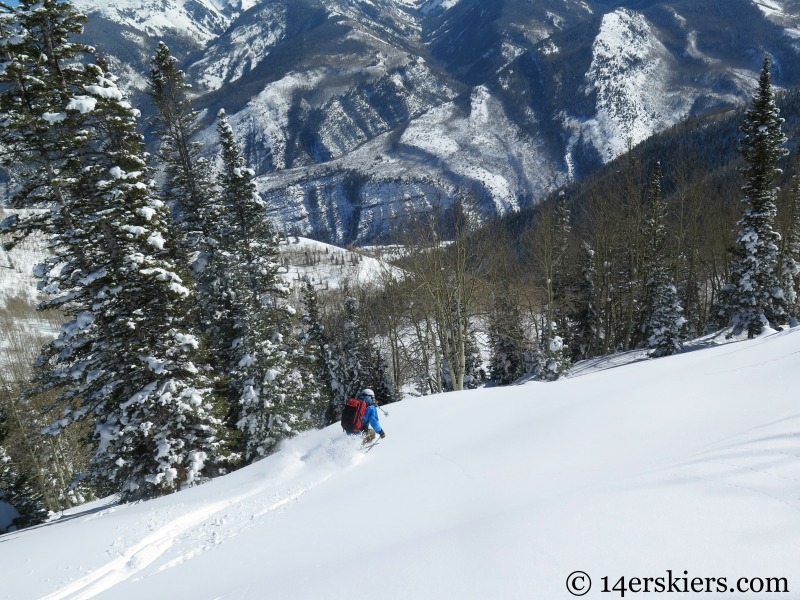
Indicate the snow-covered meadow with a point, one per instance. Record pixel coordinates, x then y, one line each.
631 468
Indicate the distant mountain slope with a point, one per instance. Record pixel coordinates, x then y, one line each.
353 112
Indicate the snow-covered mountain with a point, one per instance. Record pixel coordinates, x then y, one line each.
679 469
354 113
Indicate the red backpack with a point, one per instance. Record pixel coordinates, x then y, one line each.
353 415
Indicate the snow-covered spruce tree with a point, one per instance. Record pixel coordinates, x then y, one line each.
129 355
790 252
41 70
586 322
357 362
318 349
660 310
346 368
755 298
551 358
187 174
474 373
187 181
506 341
272 395
126 357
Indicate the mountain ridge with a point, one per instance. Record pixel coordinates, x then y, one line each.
351 107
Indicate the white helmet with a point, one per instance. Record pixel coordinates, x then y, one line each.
366 393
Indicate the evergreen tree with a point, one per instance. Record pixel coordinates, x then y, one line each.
15 490
130 302
554 345
506 341
126 358
357 363
318 349
586 323
187 174
665 323
42 69
271 397
552 359
8 514
346 371
474 373
755 297
660 310
790 252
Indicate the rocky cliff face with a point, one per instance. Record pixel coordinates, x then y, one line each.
356 112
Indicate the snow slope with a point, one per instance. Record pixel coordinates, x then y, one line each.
689 463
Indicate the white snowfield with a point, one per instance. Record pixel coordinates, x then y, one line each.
688 464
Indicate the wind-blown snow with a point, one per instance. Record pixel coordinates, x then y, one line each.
687 463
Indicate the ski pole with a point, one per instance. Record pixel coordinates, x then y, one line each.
383 411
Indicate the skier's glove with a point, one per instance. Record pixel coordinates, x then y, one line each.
382 434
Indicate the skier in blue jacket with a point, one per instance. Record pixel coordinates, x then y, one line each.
371 423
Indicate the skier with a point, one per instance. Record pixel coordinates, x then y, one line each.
371 424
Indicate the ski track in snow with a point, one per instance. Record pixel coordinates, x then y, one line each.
208 526
134 559
149 549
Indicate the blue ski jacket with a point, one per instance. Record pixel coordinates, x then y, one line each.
371 416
